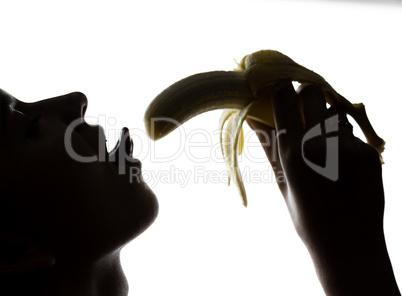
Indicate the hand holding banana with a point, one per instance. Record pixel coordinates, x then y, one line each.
242 93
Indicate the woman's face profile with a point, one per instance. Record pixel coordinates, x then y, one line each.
74 208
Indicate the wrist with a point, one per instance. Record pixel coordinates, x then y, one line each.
356 269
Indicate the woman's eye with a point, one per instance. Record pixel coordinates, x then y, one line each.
33 126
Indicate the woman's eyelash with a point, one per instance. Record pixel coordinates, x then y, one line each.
33 126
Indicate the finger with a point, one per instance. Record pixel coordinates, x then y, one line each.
340 119
267 137
313 104
286 109
336 110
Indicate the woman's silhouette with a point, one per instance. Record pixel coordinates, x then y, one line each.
63 222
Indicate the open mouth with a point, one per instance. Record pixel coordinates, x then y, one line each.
121 155
123 151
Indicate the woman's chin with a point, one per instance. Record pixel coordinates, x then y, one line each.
144 209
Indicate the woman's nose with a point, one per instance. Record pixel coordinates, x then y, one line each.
72 106
68 107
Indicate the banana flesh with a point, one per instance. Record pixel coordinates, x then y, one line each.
194 95
241 93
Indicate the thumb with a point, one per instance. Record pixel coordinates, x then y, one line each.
268 139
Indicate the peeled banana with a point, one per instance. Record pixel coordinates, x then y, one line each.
242 93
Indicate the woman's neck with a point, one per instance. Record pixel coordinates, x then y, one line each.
104 277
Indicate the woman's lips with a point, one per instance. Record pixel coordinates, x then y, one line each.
128 142
122 153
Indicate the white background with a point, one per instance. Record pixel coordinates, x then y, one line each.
121 54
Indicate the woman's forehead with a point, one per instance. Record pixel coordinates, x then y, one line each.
7 103
6 100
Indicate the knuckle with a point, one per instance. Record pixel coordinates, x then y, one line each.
310 90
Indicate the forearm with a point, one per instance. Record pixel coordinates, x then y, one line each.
357 271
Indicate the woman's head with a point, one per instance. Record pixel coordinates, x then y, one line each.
52 191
